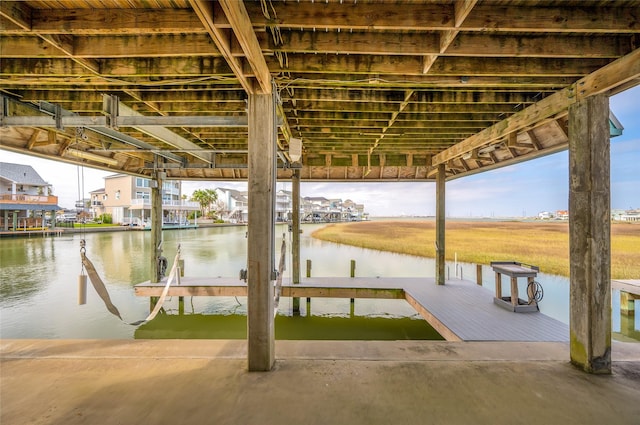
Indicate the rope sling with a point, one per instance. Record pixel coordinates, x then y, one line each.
102 292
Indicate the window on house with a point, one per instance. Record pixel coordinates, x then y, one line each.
143 195
140 182
117 194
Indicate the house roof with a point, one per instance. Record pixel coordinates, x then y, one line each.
36 207
235 194
21 174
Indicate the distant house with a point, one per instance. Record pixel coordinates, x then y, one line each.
562 215
97 198
128 200
24 197
545 215
631 215
235 205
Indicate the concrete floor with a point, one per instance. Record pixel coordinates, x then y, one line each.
313 382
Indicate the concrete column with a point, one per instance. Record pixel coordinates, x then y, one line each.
589 235
261 264
156 223
440 211
295 235
6 220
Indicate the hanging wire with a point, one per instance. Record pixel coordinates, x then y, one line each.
80 174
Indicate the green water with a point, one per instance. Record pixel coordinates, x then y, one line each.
201 326
38 289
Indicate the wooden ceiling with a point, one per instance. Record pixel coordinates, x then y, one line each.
376 90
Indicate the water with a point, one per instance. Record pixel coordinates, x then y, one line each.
38 288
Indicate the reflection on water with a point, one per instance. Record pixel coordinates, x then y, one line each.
38 283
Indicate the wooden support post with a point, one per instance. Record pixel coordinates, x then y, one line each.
498 285
308 268
627 304
181 306
590 235
295 237
514 291
352 307
353 268
440 224
479 274
156 223
260 241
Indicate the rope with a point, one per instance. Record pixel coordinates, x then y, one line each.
278 285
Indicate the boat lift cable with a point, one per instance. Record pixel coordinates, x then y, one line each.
82 278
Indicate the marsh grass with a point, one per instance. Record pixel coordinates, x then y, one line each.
544 244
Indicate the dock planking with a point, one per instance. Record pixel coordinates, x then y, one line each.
459 310
631 286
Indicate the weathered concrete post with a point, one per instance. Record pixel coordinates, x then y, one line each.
589 234
295 239
440 211
156 222
260 240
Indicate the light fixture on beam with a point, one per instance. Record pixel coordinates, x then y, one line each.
92 157
295 149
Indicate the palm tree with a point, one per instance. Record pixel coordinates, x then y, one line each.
204 197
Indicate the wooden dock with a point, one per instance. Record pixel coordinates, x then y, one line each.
28 232
629 293
631 286
460 310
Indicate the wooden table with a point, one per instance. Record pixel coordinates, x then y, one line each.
515 270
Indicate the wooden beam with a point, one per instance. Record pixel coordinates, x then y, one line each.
241 24
221 38
19 13
464 44
568 19
602 80
94 21
369 95
446 66
461 10
150 45
436 17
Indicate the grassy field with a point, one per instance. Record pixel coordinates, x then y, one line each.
544 244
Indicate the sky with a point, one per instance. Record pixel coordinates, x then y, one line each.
521 190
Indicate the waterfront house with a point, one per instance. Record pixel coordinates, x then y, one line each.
234 205
96 205
631 215
24 198
128 200
545 215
